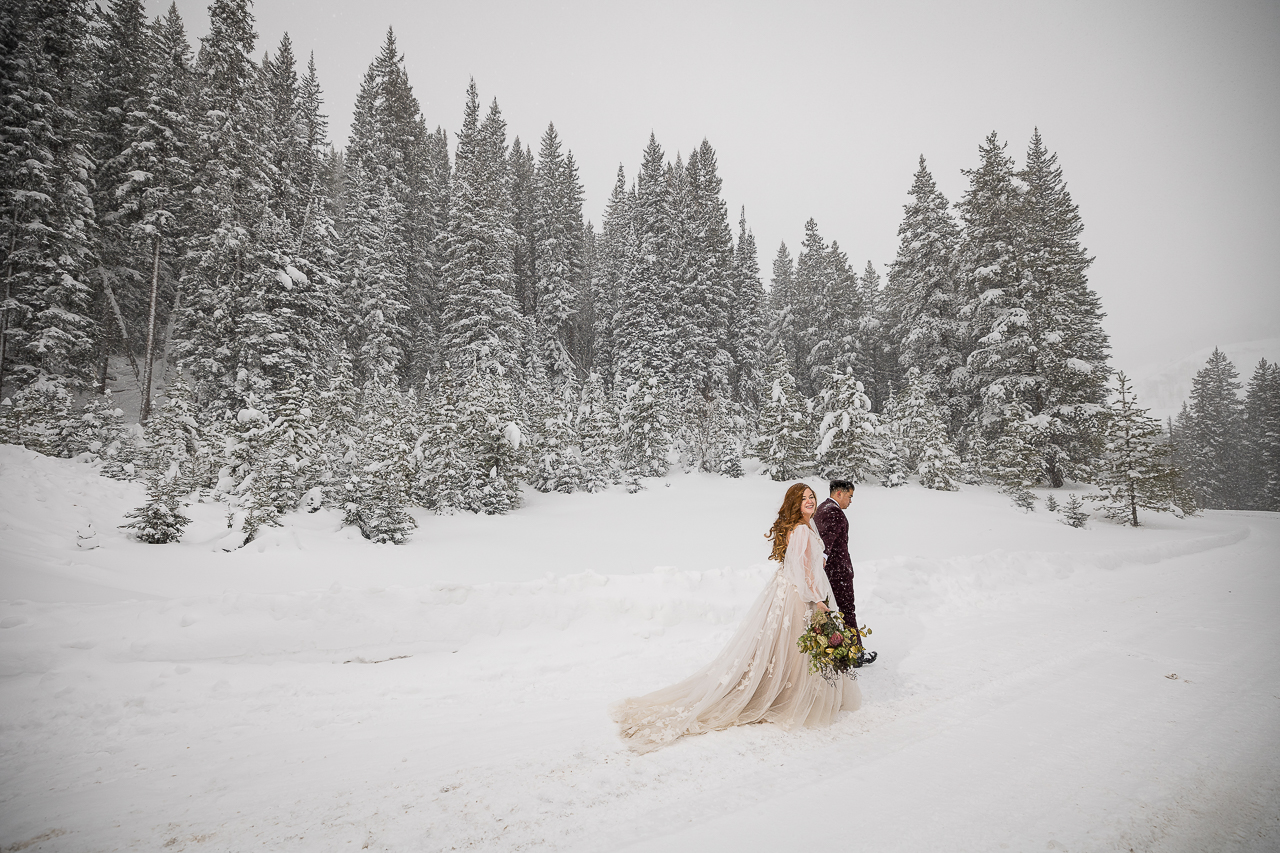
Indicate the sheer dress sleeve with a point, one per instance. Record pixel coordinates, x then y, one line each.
798 564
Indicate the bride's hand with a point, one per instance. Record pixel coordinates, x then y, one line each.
824 608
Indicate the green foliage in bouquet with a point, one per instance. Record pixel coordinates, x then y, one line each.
832 646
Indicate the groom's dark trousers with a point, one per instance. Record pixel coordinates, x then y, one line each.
833 527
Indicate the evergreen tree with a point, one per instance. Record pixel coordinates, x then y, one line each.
482 323
598 428
916 430
850 434
643 337
524 223
702 299
1213 435
921 299
1262 439
645 427
160 520
494 440
998 373
377 488
1073 514
785 433
557 212
877 349
1134 472
558 464
782 295
615 248
231 186
46 211
747 324
1070 348
376 278
99 430
39 417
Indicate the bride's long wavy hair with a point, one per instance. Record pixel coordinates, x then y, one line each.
788 517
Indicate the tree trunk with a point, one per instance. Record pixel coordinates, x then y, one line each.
151 335
124 332
102 374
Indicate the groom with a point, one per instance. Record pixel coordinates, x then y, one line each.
833 527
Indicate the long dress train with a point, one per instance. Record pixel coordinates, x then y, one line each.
760 676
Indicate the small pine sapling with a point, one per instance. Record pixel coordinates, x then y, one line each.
1022 498
1051 503
1073 514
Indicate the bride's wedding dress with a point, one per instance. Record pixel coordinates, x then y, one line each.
761 676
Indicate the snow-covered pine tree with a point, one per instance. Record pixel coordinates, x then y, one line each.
377 486
253 474
1134 472
1051 503
337 408
148 179
1073 514
558 261
816 280
598 429
917 431
98 430
877 349
482 324
643 337
375 277
1069 349
843 326
921 300
645 428
1013 460
785 436
296 442
492 437
118 69
556 464
781 334
446 478
1213 435
1262 439
615 249
999 374
748 321
160 520
705 291
391 145
46 210
40 417
850 436
525 248
710 442
231 186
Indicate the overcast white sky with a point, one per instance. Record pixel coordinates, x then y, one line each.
1165 116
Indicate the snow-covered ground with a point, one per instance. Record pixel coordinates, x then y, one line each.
315 692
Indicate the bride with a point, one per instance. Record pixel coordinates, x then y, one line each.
761 676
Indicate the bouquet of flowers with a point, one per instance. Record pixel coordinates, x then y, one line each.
832 647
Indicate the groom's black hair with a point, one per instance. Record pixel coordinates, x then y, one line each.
841 486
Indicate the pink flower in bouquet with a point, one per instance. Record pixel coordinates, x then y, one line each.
836 639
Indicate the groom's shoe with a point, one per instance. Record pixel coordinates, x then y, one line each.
865 658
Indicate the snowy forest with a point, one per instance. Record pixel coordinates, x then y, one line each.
427 317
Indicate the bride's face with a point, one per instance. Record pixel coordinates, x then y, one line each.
808 504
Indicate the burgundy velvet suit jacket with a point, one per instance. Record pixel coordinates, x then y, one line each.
833 527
